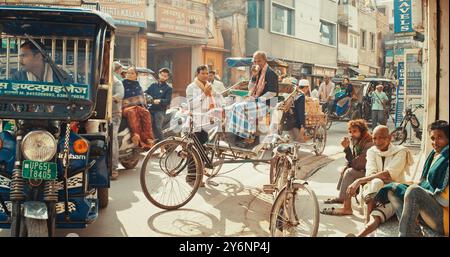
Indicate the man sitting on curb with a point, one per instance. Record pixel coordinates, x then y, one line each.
386 163
355 168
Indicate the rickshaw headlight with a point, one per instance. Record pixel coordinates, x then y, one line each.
39 145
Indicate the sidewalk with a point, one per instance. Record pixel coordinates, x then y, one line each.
324 184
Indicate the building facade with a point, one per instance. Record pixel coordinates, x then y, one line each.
367 51
348 35
294 31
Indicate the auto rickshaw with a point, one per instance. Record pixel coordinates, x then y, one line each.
53 175
361 104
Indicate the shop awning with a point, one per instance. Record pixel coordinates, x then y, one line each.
356 70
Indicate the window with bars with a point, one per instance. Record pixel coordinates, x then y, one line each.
72 54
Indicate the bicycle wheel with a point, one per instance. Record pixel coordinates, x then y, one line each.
296 216
319 139
399 135
164 174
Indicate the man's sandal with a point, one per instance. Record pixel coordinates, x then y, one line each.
333 212
332 201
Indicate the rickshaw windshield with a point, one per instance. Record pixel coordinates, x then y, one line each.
27 79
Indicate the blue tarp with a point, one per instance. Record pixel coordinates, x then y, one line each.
239 62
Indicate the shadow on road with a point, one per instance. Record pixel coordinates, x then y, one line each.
121 197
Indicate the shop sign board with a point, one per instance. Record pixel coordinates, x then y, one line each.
400 97
131 13
403 17
181 21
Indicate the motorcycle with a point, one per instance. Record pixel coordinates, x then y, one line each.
400 134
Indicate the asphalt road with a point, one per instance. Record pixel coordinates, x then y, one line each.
235 207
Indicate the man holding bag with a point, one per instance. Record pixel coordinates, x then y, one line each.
379 100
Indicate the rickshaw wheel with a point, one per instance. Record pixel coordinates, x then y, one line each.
165 178
103 197
210 173
319 139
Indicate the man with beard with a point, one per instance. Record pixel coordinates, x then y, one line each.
386 163
355 168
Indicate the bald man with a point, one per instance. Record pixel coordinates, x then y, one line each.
385 163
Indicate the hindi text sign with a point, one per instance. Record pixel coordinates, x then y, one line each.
181 21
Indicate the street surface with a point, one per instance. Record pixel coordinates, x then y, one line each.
235 207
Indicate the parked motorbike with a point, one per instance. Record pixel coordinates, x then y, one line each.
400 134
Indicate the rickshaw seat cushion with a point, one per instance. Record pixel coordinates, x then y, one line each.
285 149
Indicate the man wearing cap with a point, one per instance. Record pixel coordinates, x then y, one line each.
217 86
161 93
379 100
298 132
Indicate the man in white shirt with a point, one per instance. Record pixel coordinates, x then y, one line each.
326 92
217 86
385 163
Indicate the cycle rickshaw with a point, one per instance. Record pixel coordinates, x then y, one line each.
167 164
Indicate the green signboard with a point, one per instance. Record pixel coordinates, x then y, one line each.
42 90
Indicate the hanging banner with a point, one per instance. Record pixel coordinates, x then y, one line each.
400 94
403 17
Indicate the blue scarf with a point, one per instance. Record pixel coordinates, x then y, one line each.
434 178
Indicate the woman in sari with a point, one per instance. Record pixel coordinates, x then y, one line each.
425 203
135 111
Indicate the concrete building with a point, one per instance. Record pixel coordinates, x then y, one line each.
386 7
367 50
348 38
383 32
302 33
